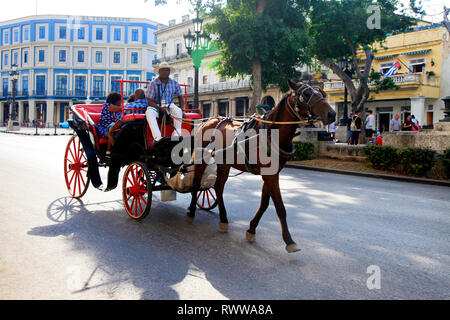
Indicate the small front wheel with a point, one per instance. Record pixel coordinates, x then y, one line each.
137 190
206 199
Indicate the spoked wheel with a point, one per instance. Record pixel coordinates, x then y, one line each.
76 168
206 199
137 190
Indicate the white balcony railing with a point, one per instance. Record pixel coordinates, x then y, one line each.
398 79
221 86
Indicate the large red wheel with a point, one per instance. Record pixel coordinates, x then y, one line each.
76 168
206 199
137 190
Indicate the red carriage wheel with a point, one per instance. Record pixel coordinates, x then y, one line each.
137 190
76 168
206 199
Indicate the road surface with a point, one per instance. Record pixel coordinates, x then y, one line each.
361 238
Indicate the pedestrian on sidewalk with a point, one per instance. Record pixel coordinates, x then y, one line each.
355 126
349 131
370 125
332 130
395 123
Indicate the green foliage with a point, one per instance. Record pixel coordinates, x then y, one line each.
303 150
445 158
416 161
335 23
382 157
277 38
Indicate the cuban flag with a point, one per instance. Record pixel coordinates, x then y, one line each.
392 69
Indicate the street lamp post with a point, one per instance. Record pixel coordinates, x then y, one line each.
344 66
197 44
14 74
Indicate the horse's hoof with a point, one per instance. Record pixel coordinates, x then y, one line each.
223 227
250 237
292 248
189 219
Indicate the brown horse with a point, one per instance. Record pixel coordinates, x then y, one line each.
302 103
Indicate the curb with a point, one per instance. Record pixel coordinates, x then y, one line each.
39 134
372 175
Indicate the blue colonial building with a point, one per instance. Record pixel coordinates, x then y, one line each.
70 59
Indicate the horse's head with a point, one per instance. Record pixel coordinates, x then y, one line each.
310 103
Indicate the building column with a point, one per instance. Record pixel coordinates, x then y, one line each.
418 109
20 116
232 107
214 108
2 112
50 113
31 110
250 101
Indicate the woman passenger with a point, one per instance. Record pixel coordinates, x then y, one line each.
111 113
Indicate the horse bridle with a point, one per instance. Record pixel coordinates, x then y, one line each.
301 100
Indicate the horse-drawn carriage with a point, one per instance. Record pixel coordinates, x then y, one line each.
148 164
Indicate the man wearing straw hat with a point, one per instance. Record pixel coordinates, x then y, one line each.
161 95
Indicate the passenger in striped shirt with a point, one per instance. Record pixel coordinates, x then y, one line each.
161 94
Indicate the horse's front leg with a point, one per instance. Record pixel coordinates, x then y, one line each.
222 176
275 194
265 198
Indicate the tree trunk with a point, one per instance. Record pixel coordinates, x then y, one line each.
257 85
257 67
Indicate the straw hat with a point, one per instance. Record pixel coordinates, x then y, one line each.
162 65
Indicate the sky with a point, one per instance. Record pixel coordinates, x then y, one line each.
136 9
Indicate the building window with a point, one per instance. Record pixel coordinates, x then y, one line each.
62 32
16 35
132 87
99 34
205 80
115 86
417 65
116 57
5 87
135 35
384 67
25 85
117 33
163 50
80 86
40 84
98 86
41 32
41 55
98 57
62 55
26 34
6 59
16 58
81 34
177 48
61 85
134 58
6 40
25 57
190 81
80 56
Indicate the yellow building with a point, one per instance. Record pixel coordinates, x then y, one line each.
423 79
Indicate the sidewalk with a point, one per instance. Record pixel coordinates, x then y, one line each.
372 175
31 131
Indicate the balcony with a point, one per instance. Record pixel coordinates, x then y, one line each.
410 84
170 58
222 86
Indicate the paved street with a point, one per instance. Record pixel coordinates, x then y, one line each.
55 247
